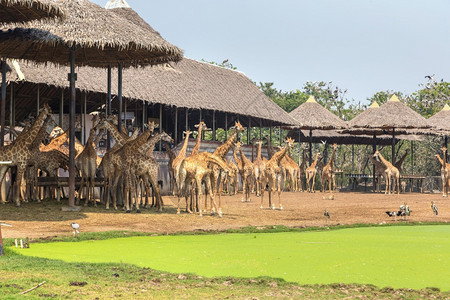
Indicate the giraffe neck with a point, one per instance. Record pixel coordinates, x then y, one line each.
150 144
258 153
90 141
440 159
183 149
377 163
138 142
444 160
223 149
244 158
236 158
118 137
169 150
384 161
40 136
31 134
400 161
278 156
196 148
313 165
59 140
270 150
330 163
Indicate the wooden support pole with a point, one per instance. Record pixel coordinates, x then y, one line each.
11 109
72 78
125 115
310 146
61 109
119 96
214 125
374 148
393 145
160 123
299 146
84 118
187 120
108 106
176 126
3 105
226 126
38 99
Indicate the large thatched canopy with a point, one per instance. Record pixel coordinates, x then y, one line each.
312 115
101 37
384 119
27 10
440 122
187 84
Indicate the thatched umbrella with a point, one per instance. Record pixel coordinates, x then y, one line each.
313 116
27 10
390 118
440 122
92 36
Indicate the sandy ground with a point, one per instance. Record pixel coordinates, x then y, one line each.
301 209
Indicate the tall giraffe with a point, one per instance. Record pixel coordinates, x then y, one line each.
172 155
247 176
272 174
221 152
446 177
259 168
328 174
86 162
302 172
178 159
311 172
444 172
19 152
201 127
391 173
379 172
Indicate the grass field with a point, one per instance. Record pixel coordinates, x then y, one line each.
397 256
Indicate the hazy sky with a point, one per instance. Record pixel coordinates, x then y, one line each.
361 45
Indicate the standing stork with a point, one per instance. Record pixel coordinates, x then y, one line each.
434 208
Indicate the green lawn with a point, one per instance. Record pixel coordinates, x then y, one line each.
400 257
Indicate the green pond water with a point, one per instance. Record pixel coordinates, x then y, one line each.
400 256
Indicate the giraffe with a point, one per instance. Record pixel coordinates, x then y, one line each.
289 171
445 172
296 170
106 164
259 168
122 159
302 171
201 127
311 174
221 152
171 154
86 162
379 172
272 174
144 165
328 174
391 173
232 179
237 159
196 168
19 151
247 175
56 142
398 163
178 159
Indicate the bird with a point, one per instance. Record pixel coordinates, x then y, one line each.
430 77
225 61
391 213
75 227
326 213
434 208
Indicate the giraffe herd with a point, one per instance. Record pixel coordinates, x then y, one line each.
130 172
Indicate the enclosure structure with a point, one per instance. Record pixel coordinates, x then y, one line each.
27 10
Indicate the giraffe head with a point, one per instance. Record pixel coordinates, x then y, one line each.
444 149
334 146
201 126
376 154
166 138
57 131
237 146
257 143
186 133
46 109
238 127
289 143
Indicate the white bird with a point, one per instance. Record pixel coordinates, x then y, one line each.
75 227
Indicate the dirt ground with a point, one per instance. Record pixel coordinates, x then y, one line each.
38 220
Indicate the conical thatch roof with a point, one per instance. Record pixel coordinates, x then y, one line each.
391 115
27 10
441 120
188 84
312 115
101 37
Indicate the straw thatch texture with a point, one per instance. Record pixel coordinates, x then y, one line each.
334 136
441 120
188 84
312 115
391 115
27 10
100 36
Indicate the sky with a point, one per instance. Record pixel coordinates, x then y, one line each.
364 46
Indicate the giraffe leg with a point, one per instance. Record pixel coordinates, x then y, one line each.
198 180
313 182
279 190
221 183
262 194
19 177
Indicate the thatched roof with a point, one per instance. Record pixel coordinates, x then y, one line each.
441 120
100 36
335 136
391 115
27 10
312 115
188 84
